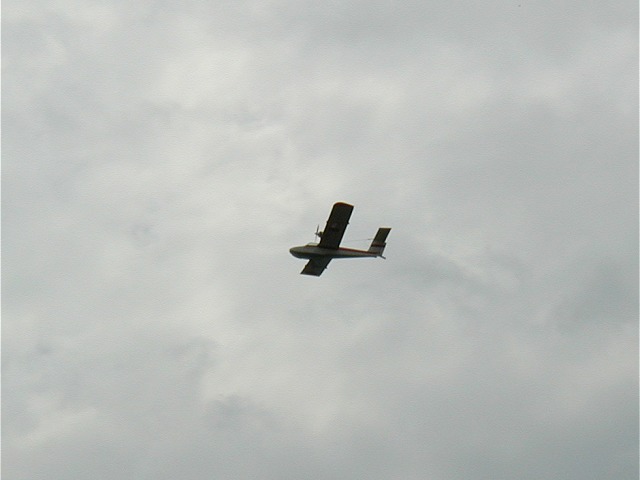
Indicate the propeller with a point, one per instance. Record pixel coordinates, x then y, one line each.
318 232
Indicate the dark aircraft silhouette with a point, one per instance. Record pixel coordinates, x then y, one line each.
320 254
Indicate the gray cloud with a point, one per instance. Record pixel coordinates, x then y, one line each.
159 160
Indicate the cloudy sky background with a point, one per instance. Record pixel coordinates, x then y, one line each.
160 158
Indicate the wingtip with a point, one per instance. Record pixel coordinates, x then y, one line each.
343 204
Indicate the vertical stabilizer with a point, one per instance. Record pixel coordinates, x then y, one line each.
379 242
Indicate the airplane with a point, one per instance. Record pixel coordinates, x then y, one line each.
320 254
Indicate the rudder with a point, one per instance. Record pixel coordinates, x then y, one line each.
379 241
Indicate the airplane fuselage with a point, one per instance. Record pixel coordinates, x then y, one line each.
312 250
322 253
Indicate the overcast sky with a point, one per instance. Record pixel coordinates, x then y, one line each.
159 160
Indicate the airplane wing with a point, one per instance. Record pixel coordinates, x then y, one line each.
315 266
336 225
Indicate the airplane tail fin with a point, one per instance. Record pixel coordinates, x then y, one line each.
378 244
